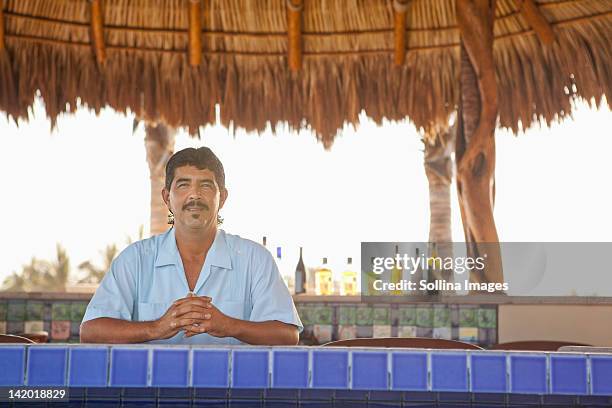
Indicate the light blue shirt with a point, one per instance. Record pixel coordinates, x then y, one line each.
148 276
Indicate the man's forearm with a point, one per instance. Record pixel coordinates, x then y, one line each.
108 330
270 333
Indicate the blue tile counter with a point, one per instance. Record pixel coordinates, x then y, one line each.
312 372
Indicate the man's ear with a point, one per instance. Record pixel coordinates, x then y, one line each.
166 197
222 198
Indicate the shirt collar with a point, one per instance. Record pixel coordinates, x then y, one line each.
218 254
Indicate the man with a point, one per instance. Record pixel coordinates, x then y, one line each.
194 284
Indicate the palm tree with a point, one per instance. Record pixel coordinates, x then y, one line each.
475 157
41 275
438 163
159 142
95 274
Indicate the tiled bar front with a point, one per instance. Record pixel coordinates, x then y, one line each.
324 321
315 368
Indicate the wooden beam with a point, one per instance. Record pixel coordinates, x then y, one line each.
97 30
536 20
2 46
400 8
475 141
294 32
195 32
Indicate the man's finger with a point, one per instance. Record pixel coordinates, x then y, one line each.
192 301
184 309
195 330
191 298
186 322
198 314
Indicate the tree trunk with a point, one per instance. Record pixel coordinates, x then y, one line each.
159 142
439 171
475 143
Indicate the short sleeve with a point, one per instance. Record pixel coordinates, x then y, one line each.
270 296
116 294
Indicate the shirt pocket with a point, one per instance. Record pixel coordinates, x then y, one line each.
231 308
227 283
148 312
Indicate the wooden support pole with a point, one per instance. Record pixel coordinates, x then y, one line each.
159 143
2 46
399 31
97 30
536 20
195 32
294 32
475 141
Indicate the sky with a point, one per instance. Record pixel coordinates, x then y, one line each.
85 184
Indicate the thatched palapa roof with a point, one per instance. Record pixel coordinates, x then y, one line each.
347 61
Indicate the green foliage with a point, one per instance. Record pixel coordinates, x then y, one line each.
94 274
41 275
52 276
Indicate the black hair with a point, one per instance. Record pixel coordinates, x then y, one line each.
201 158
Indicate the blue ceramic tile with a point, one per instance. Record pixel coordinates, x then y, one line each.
290 369
136 394
315 394
409 371
370 371
250 369
88 367
595 401
109 394
170 368
568 375
330 369
561 401
12 361
449 372
488 373
210 368
528 374
46 365
183 393
601 373
129 367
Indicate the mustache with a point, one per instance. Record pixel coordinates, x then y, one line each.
195 204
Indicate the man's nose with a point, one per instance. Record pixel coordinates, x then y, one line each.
194 193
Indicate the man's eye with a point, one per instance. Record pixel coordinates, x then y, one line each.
181 185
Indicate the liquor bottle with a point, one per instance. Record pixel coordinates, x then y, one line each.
324 285
281 268
300 276
367 287
279 260
418 274
431 270
349 280
396 274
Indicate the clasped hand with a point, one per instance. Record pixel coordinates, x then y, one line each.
194 315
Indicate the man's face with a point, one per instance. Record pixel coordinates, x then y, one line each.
194 198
